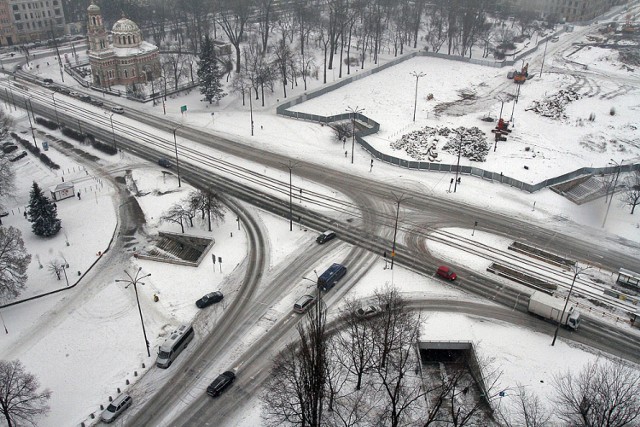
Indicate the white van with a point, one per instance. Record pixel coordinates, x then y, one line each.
173 346
117 109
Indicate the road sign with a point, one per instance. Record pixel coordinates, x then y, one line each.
183 109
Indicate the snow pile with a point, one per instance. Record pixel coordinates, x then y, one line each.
553 106
422 144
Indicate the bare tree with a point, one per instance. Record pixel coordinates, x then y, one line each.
233 20
7 180
14 261
55 268
527 410
175 214
395 335
603 393
631 194
295 392
20 400
209 204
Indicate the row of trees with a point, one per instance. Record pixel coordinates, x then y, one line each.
368 372
205 203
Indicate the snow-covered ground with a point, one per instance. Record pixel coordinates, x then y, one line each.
91 333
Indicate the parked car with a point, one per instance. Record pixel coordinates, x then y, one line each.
446 273
9 148
368 311
96 102
65 90
221 383
117 109
116 407
304 303
209 299
85 98
74 93
554 39
326 236
47 80
164 162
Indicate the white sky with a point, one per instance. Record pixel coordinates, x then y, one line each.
91 335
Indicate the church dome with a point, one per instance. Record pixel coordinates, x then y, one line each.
125 25
93 7
126 33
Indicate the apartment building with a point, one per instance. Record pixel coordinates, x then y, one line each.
34 20
568 10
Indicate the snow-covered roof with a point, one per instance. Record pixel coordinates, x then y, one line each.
125 26
144 47
62 186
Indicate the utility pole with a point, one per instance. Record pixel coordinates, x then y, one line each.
175 143
613 190
577 271
415 103
353 112
26 106
398 200
290 166
455 186
543 56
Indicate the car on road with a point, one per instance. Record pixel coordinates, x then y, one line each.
326 236
116 407
117 109
446 273
74 93
96 102
304 303
221 383
85 98
368 311
209 299
164 162
554 39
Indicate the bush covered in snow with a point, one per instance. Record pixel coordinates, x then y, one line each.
424 143
553 106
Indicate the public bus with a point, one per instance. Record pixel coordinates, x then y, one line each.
628 278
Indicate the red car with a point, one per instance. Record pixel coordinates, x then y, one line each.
446 273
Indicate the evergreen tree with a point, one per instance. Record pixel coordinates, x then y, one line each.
43 214
208 72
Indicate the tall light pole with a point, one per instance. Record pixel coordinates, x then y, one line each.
55 108
398 200
26 107
415 102
251 109
134 281
113 132
543 56
577 271
290 166
455 186
613 190
175 142
515 101
501 105
353 112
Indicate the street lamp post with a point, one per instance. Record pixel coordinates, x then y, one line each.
415 102
175 142
398 200
515 101
353 112
455 185
134 281
55 108
113 132
577 271
251 110
543 56
290 166
26 107
613 190
501 106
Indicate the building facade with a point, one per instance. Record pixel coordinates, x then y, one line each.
129 59
8 34
568 10
32 20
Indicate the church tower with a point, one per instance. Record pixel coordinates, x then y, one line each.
95 29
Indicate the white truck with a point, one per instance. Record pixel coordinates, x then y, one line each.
550 308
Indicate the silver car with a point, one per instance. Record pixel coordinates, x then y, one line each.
116 407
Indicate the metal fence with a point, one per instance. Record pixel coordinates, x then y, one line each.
373 127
